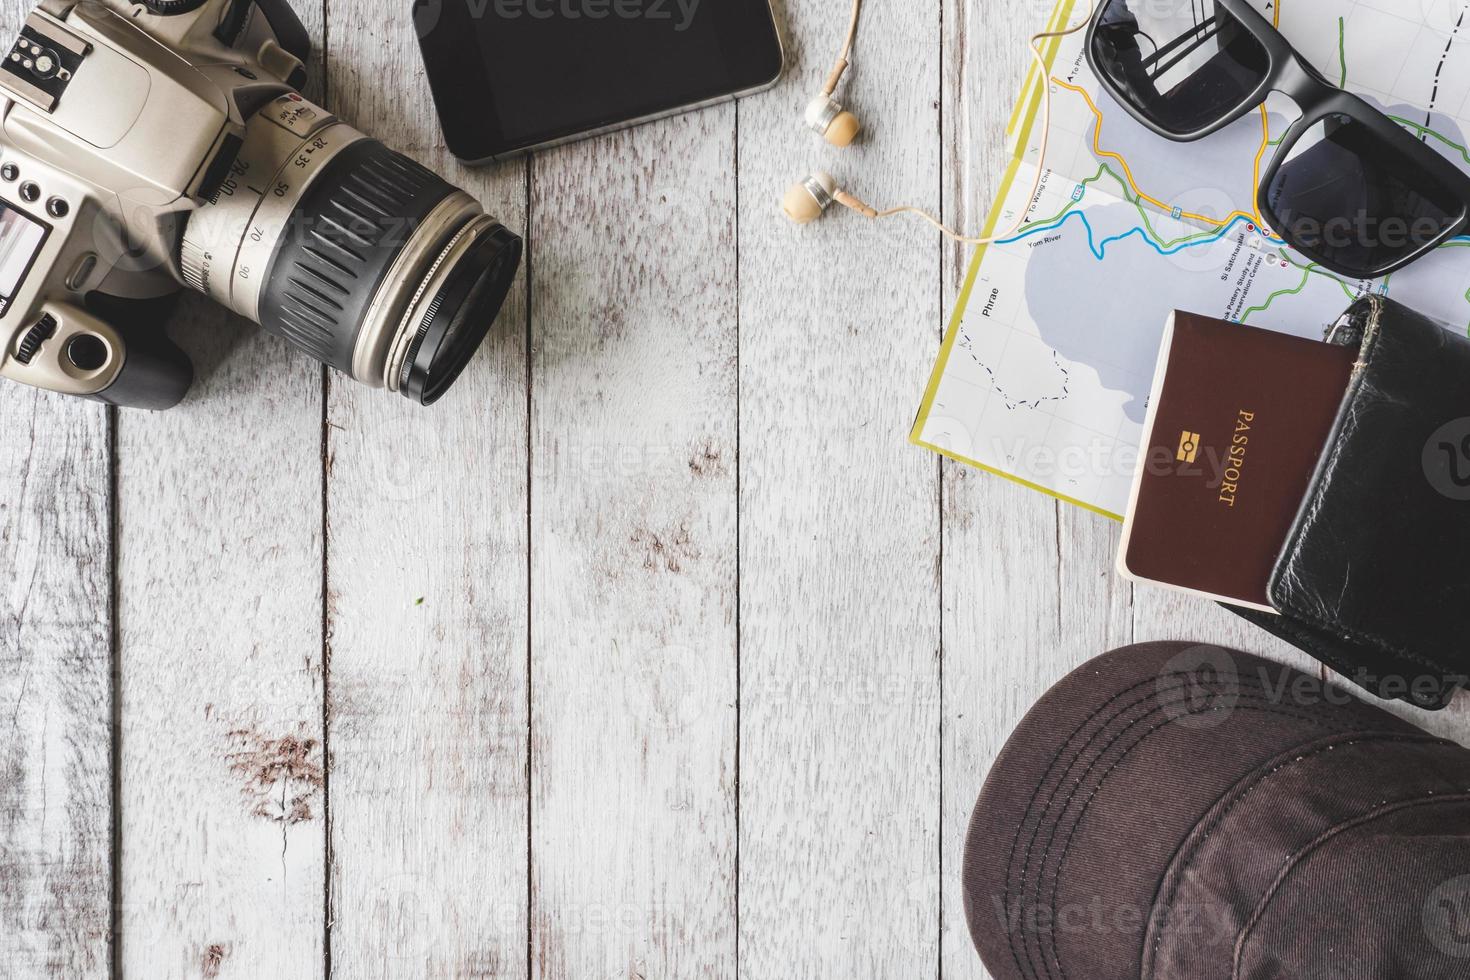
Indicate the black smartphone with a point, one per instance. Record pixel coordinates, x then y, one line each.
509 76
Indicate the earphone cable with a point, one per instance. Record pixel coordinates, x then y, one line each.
852 29
845 58
1046 95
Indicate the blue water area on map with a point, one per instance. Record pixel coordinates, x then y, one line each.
1129 282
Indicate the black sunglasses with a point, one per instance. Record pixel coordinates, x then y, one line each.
1349 188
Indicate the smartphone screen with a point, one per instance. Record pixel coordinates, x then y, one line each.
508 75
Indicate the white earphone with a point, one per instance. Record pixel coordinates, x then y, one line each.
807 200
824 114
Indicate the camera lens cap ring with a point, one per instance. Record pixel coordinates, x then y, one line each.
459 315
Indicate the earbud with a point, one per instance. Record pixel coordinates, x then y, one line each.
824 114
826 117
805 201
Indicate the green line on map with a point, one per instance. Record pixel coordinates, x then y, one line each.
1308 270
1148 225
1426 131
1071 204
1315 270
1132 199
1409 123
1143 214
1306 278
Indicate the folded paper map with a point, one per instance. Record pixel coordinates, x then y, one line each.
1045 371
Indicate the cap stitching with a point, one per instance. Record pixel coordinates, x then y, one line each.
1029 969
1362 820
1086 804
1241 795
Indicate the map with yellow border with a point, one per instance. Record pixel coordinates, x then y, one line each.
1046 367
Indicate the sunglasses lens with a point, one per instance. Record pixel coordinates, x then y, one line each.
1183 64
1348 198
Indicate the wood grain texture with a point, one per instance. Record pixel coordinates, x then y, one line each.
840 524
219 595
427 607
55 684
219 592
219 581
633 553
1029 592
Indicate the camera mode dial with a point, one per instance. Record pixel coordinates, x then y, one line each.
168 8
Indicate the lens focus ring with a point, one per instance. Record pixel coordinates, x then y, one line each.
341 239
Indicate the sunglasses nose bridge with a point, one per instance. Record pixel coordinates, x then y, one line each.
1304 84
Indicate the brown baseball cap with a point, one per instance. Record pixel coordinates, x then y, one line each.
1183 812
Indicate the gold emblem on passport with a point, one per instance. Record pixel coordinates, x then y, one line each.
1188 447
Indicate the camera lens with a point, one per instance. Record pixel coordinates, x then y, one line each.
354 253
454 311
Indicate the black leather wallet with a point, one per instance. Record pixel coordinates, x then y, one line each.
1374 579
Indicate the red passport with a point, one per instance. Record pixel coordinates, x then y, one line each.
1238 419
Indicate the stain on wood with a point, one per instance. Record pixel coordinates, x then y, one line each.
667 551
281 778
212 960
707 460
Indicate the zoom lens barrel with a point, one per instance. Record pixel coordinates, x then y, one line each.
354 253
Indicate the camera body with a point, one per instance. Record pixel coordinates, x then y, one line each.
148 147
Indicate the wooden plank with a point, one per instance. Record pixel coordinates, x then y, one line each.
633 583
55 682
219 580
219 606
840 523
427 612
1029 593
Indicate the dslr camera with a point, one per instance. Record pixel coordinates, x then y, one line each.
150 146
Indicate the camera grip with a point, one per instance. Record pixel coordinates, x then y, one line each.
155 373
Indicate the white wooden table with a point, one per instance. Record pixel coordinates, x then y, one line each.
654 651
